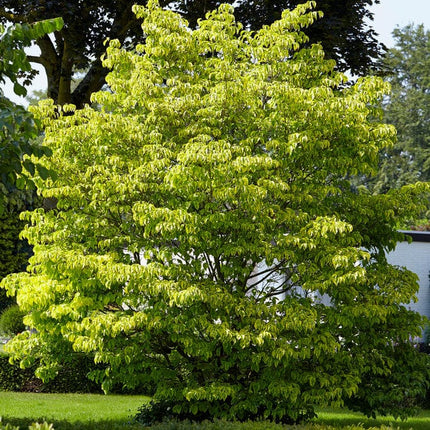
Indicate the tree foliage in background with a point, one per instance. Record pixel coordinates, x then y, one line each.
18 128
407 107
343 30
79 44
203 210
14 251
18 133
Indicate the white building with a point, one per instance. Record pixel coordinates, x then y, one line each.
415 256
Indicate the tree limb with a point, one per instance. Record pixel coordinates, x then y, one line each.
34 59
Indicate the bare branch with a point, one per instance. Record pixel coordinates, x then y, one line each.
211 267
34 59
218 270
270 269
283 288
268 275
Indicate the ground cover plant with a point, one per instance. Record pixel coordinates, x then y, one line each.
206 236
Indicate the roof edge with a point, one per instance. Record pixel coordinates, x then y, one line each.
417 236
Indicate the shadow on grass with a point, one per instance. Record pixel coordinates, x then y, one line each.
343 420
24 423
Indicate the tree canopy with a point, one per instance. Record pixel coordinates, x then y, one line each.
18 131
207 238
79 44
343 30
17 126
407 68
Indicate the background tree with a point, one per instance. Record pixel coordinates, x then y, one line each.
15 252
203 210
79 44
18 134
343 30
407 66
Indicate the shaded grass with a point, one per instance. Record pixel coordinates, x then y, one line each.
344 417
114 412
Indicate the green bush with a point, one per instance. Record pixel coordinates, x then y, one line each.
34 426
401 392
12 377
72 377
250 425
11 321
7 426
164 410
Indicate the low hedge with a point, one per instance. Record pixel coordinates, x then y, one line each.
252 425
12 377
217 425
72 378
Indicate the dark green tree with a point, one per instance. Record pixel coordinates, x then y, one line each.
14 251
407 66
79 45
18 141
342 31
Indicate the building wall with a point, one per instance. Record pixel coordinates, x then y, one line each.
415 256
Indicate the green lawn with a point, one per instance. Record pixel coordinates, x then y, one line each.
69 411
338 418
113 412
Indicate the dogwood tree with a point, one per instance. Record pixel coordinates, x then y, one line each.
206 235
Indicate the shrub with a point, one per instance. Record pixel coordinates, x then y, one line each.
11 321
34 426
7 426
72 377
12 377
250 425
163 410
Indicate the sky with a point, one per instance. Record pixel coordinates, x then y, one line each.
388 15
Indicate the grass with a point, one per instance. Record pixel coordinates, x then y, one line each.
114 412
70 411
344 417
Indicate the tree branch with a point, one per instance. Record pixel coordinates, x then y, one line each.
211 268
268 275
270 269
34 59
47 50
